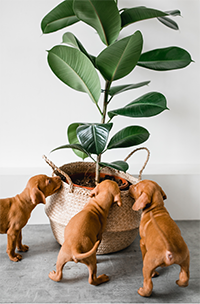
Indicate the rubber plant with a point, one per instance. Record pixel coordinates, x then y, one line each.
73 65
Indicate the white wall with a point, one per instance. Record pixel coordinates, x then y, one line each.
36 107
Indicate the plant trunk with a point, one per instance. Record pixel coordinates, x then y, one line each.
105 103
97 172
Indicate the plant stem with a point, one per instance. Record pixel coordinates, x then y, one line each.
105 102
103 118
97 172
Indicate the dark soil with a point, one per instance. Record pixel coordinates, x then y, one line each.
88 181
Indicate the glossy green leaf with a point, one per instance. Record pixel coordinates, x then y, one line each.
61 16
118 165
139 13
72 138
165 59
147 105
128 137
169 22
74 146
93 137
71 39
73 68
103 16
122 88
120 58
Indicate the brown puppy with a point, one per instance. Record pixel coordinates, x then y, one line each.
15 211
84 232
161 241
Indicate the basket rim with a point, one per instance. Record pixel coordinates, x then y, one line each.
108 170
123 174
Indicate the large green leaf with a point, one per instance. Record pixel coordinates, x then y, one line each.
165 59
71 39
74 146
73 68
118 165
72 138
147 105
139 13
135 14
101 15
120 58
61 16
93 137
128 137
122 88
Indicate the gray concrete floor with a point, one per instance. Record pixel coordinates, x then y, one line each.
27 281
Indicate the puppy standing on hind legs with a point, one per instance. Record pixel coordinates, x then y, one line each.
161 241
83 233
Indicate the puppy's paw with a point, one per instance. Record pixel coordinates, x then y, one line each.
99 280
103 278
182 284
54 276
143 292
16 258
23 248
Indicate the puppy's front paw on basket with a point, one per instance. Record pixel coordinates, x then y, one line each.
122 223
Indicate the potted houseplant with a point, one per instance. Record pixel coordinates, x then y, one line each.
74 66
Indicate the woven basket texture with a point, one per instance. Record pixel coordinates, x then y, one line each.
122 222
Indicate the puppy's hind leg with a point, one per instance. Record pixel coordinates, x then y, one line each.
63 258
149 266
92 267
144 251
184 273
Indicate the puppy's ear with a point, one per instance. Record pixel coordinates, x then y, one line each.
141 202
117 199
131 188
163 193
37 196
94 192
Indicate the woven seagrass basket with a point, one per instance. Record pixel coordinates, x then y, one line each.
122 222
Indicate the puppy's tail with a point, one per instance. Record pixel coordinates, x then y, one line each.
169 257
81 256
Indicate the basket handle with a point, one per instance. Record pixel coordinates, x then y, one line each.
148 155
55 168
